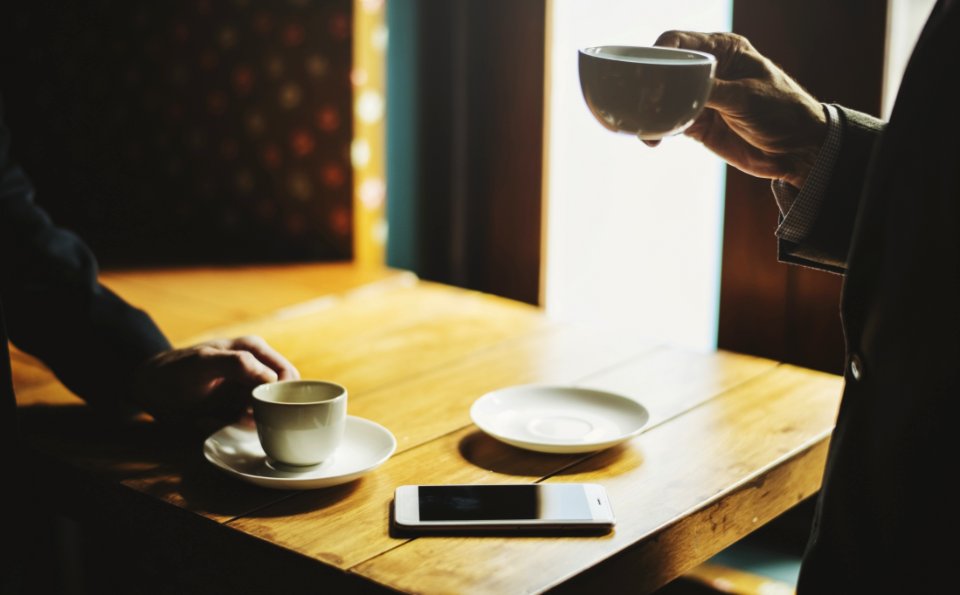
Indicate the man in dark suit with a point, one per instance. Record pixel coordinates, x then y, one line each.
879 203
104 350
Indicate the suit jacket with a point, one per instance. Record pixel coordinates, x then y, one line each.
892 219
53 307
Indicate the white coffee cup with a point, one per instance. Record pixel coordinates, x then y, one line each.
300 422
649 92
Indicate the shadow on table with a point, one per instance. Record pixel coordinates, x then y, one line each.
308 500
404 533
100 512
493 455
163 462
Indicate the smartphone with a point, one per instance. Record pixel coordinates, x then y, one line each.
532 507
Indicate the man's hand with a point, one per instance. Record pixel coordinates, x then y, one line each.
757 119
208 381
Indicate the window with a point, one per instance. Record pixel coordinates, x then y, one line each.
905 20
633 234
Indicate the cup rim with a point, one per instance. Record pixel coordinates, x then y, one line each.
704 57
267 386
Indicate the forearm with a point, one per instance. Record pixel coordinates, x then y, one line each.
55 307
57 311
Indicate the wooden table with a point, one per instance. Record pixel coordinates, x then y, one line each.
733 441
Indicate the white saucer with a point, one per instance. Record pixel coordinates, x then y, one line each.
236 449
558 419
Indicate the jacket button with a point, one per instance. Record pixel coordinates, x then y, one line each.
856 367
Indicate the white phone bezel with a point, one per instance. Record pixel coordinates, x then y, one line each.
406 509
406 505
600 509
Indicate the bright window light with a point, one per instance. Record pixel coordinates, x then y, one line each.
633 234
905 20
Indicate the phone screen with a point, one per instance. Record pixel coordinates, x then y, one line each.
503 502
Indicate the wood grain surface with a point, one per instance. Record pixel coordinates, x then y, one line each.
732 442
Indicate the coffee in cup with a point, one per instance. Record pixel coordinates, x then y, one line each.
649 92
300 422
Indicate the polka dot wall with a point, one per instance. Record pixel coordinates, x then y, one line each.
202 131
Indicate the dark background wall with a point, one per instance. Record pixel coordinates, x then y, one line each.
465 142
186 131
789 313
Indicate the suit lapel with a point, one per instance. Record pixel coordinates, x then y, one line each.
869 244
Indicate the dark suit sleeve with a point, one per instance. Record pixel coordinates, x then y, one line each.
828 242
55 309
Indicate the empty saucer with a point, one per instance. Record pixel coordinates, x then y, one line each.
558 419
236 449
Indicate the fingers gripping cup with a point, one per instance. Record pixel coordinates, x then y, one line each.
300 422
649 92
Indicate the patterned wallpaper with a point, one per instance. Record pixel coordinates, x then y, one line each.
187 130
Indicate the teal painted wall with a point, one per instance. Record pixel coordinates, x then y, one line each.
402 135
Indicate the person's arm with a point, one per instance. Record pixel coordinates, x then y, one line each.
762 122
103 349
55 308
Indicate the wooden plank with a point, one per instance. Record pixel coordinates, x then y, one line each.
136 453
355 521
28 371
289 327
715 459
682 547
434 405
670 381
438 402
345 526
132 542
558 354
362 338
49 394
415 355
253 290
185 302
369 340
